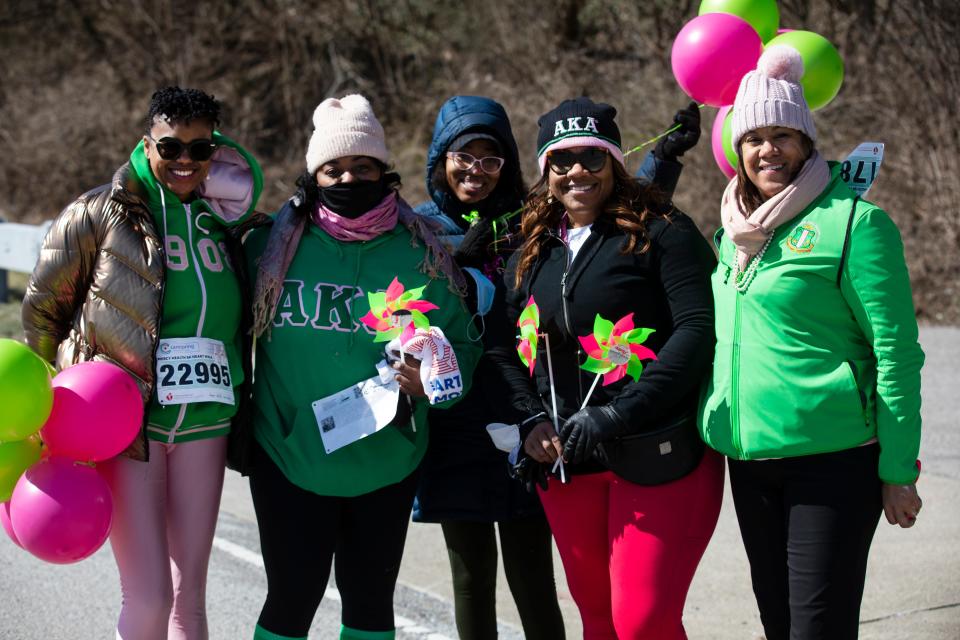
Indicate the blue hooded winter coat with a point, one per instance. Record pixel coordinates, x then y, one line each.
469 114
464 477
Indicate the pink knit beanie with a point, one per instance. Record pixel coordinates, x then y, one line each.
345 127
772 96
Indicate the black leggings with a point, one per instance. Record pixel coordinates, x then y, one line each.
807 524
301 532
528 563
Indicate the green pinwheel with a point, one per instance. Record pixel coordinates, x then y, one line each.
529 325
615 350
388 308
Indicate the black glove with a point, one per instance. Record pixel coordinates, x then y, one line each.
531 473
307 193
678 142
587 428
476 247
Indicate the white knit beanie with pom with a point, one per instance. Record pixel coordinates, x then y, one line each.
772 96
345 127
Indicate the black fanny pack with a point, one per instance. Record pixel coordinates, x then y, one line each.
667 453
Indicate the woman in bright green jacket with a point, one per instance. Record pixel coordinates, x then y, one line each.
815 391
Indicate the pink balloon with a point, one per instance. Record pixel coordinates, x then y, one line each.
716 142
711 54
97 412
61 511
5 522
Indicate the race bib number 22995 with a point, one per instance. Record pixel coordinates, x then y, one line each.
193 370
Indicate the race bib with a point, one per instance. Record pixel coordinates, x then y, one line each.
860 168
193 370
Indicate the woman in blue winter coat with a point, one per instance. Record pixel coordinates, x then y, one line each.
474 180
475 184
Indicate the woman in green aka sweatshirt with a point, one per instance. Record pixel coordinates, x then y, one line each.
815 392
146 273
339 434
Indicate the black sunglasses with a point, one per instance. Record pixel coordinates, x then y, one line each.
199 150
562 161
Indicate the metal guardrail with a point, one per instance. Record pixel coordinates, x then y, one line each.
19 249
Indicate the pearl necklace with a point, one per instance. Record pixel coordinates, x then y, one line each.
742 280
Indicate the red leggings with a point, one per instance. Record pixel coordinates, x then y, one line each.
630 551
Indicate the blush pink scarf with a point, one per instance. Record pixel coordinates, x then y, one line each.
749 233
380 219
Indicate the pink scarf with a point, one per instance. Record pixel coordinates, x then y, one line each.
750 233
380 219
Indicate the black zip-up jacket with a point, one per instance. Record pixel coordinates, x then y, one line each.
667 288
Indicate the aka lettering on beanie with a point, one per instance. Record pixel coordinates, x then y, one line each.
580 122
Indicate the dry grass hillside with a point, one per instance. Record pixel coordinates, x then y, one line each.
76 78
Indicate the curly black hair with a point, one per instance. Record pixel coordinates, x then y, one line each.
174 104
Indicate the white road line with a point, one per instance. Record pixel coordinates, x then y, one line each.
405 625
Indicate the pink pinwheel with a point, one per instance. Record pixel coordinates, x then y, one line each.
529 325
615 350
388 308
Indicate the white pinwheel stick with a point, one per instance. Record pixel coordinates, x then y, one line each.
553 402
404 319
590 391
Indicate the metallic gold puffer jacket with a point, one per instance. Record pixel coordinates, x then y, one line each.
97 290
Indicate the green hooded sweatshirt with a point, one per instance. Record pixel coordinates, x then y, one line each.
201 292
818 356
317 347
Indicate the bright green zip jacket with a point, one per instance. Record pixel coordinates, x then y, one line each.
317 347
201 294
807 365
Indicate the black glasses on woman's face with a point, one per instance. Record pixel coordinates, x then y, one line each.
591 159
199 150
465 162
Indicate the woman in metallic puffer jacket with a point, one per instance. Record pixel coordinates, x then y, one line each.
129 273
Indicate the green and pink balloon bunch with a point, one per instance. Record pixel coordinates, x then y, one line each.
713 52
53 503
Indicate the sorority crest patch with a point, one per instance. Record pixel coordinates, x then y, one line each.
803 238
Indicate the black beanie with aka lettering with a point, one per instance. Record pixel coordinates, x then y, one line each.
580 122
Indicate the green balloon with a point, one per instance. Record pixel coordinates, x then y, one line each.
26 395
822 65
763 15
728 149
15 458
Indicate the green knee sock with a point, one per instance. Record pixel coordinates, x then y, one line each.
346 633
262 634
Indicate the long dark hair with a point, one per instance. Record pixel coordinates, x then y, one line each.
629 207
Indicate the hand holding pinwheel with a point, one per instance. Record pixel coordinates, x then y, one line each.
613 352
386 317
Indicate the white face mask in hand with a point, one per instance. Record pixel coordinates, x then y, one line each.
505 436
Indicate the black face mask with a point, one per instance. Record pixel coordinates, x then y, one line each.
353 199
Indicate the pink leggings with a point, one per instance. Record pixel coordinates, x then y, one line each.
630 551
164 516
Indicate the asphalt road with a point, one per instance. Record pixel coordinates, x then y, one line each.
913 587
